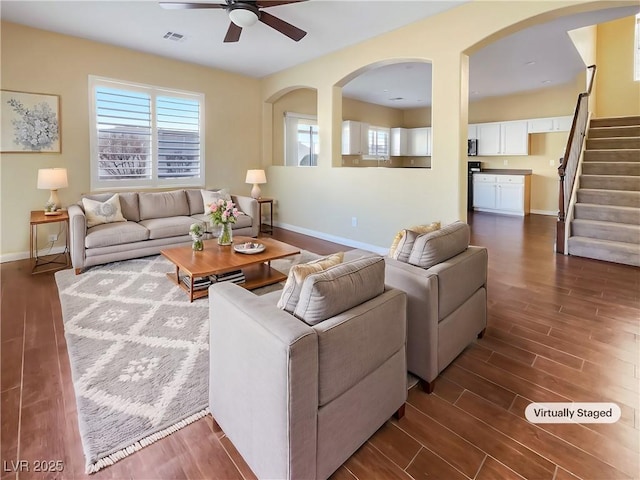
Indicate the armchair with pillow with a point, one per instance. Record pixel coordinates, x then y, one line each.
298 389
446 284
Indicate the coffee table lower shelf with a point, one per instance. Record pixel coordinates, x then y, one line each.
256 276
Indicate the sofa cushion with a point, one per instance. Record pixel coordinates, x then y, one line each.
167 227
432 227
340 288
98 212
432 248
163 204
128 203
108 234
298 273
194 199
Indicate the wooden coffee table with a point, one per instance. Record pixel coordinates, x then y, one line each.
216 259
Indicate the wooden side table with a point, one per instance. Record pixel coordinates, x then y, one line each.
264 228
39 218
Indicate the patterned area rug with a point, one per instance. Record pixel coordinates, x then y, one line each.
139 354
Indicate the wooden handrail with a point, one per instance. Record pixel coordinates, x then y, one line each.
569 162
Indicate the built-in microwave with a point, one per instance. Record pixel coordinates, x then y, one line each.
472 147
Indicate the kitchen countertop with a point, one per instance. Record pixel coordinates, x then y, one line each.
505 171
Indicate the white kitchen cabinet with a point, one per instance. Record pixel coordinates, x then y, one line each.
399 142
355 138
506 194
503 138
419 142
550 124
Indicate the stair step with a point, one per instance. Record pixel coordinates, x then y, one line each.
614 121
611 168
613 143
607 250
617 232
607 132
608 213
609 197
621 155
610 182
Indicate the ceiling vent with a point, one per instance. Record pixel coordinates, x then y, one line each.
176 37
396 99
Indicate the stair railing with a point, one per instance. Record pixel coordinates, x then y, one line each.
569 162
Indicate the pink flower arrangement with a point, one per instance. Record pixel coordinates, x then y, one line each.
223 211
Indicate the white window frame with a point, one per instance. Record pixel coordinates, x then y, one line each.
153 91
375 155
291 148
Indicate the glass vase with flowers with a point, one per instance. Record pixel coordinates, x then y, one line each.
224 213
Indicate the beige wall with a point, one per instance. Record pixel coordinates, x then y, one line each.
416 117
618 93
38 61
411 195
547 102
369 113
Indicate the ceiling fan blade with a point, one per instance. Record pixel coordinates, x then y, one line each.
275 3
190 6
233 33
294 33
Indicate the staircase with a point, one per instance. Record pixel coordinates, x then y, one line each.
606 224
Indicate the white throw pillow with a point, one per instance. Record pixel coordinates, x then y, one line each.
98 213
209 197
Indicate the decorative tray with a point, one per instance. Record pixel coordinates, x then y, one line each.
249 247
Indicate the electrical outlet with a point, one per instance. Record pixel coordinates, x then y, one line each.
53 237
354 221
552 163
506 162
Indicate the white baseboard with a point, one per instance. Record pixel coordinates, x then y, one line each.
333 238
551 213
12 257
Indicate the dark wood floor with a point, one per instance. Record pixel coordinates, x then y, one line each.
560 329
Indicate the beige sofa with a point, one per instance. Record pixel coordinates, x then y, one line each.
154 220
297 400
446 284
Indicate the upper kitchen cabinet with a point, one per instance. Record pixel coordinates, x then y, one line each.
399 142
355 138
551 124
419 142
503 138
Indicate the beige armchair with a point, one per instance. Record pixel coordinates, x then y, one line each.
446 286
297 400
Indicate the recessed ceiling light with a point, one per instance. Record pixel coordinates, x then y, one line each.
528 64
546 81
386 90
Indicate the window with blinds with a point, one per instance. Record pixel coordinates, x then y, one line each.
300 140
145 136
379 143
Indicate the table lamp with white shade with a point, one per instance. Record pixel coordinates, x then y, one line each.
52 179
256 177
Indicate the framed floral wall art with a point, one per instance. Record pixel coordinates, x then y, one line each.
30 122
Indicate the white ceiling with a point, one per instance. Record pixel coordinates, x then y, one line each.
500 68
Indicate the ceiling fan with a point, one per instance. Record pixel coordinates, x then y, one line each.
245 13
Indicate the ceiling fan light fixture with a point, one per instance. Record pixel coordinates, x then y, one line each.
243 17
